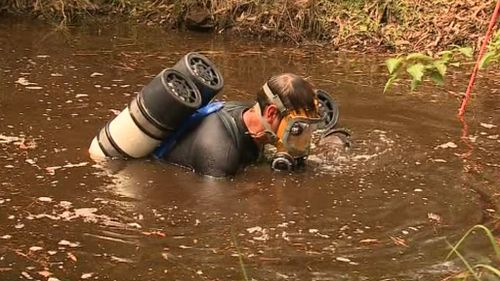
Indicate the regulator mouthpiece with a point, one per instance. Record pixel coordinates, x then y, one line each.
283 161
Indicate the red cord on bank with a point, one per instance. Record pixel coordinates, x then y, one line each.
487 37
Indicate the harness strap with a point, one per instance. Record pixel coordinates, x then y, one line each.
169 142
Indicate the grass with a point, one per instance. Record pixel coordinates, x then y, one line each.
240 256
477 270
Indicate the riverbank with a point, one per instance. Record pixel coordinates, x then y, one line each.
374 25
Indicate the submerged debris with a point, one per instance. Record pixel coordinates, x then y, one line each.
44 199
487 126
68 243
9 139
447 145
87 275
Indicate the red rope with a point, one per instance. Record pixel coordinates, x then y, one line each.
493 21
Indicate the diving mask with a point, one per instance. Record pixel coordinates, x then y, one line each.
295 129
295 133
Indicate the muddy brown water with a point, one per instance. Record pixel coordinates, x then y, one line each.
381 211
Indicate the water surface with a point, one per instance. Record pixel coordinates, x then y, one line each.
381 211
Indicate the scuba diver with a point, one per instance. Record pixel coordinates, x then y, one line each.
175 118
285 114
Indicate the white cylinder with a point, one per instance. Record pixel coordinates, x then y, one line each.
95 150
129 137
122 137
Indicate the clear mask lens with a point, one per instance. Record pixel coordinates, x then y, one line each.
297 138
297 128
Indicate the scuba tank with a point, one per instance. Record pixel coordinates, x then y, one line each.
158 110
203 73
328 110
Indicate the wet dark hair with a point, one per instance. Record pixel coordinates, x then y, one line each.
294 91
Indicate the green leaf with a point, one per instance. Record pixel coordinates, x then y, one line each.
393 64
441 67
497 36
487 58
418 57
416 71
495 43
390 82
445 55
466 51
437 78
415 84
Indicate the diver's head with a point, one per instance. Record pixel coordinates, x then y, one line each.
293 91
287 114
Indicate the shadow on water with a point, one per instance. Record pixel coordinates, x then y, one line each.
381 211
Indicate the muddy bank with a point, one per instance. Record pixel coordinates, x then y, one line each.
394 25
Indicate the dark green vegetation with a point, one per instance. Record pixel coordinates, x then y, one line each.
393 25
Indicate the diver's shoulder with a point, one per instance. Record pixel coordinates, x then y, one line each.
237 105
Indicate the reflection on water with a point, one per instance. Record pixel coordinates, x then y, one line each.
380 211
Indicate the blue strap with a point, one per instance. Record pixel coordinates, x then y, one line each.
202 112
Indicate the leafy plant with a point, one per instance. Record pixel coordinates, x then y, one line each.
418 66
476 269
493 54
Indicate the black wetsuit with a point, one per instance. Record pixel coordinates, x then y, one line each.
219 146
